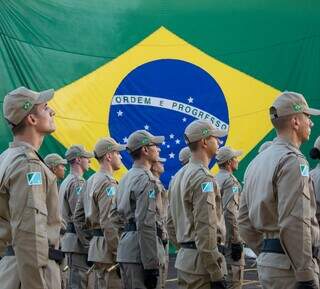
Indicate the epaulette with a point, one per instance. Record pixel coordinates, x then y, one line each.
30 154
204 169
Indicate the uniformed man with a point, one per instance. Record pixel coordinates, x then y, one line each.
315 174
184 155
193 207
29 213
98 198
277 208
140 250
57 165
230 189
162 201
76 250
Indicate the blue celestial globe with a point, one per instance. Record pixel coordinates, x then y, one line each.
163 97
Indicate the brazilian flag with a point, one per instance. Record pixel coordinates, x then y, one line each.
118 66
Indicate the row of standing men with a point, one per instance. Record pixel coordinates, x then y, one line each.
108 230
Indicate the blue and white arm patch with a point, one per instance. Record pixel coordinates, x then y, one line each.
235 189
207 187
34 178
152 194
110 191
304 170
78 190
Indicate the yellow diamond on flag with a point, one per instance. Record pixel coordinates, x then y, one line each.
83 107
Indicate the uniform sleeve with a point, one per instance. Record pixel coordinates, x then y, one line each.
105 200
205 225
79 220
294 215
145 215
28 192
5 230
231 208
248 233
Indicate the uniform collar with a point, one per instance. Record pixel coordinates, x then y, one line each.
197 162
18 143
107 173
224 171
138 166
283 141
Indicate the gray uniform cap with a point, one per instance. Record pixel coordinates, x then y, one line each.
184 155
142 138
106 145
226 153
18 103
52 160
200 129
76 151
290 103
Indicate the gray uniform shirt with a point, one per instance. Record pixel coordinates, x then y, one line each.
278 200
29 211
193 211
230 189
69 192
136 200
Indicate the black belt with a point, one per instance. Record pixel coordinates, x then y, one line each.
71 228
274 246
53 254
189 245
97 232
131 226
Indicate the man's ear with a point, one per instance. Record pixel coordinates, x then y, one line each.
31 119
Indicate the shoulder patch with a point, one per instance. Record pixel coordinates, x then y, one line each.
152 194
304 169
34 178
110 191
78 190
207 187
235 189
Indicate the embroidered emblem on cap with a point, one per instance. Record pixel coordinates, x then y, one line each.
145 141
111 191
34 178
26 106
304 169
205 131
207 187
297 107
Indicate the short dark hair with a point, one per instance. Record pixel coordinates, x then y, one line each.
281 123
193 146
136 155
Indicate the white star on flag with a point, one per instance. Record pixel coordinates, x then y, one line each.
177 141
163 143
168 146
125 139
119 113
171 155
171 136
184 119
190 99
146 127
